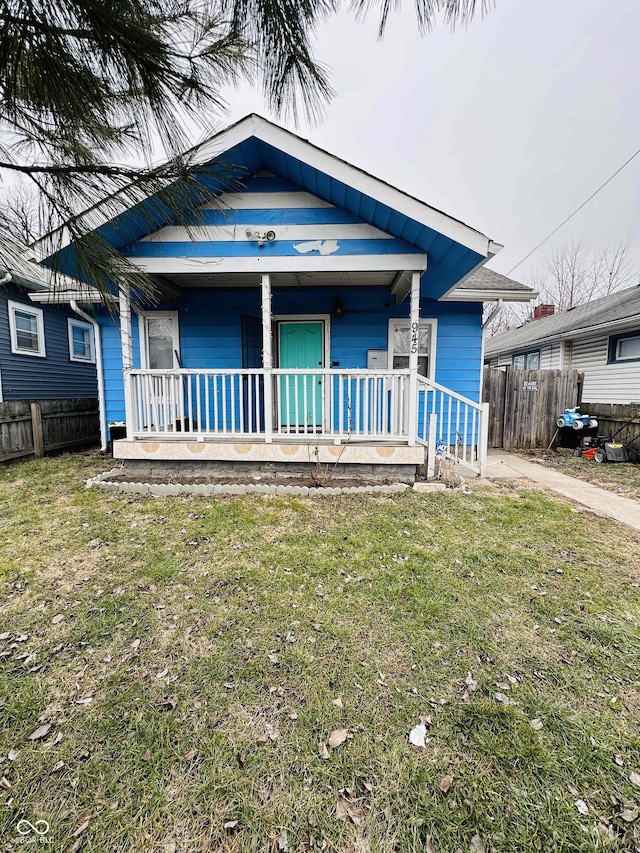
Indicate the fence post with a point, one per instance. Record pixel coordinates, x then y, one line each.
483 438
431 446
36 428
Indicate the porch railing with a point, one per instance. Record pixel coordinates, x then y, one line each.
334 404
452 426
338 405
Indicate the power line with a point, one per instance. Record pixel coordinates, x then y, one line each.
577 210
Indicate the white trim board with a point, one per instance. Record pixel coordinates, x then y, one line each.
281 264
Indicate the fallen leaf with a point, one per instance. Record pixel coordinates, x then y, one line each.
5 783
146 755
40 732
13 754
337 702
500 697
264 739
324 752
57 766
337 737
445 783
162 673
135 644
77 844
634 778
477 845
430 847
292 716
582 807
153 588
80 829
283 840
57 619
231 824
573 790
619 760
169 703
470 682
346 810
417 736
629 815
5 635
170 847
189 756
86 700
503 685
535 724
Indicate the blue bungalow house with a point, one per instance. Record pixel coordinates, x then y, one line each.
313 313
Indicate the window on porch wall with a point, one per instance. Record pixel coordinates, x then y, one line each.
401 343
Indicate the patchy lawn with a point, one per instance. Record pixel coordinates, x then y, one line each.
620 477
172 671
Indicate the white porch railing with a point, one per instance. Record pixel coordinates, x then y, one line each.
337 405
452 426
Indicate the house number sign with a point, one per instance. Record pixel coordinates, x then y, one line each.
414 337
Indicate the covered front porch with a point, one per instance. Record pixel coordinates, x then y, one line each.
301 405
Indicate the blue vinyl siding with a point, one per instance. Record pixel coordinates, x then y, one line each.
27 377
210 332
112 362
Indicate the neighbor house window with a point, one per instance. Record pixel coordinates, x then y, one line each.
400 344
27 330
527 360
81 347
624 347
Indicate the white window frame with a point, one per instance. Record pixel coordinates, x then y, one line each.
39 315
175 334
87 327
431 324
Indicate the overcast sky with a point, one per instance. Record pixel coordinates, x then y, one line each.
509 124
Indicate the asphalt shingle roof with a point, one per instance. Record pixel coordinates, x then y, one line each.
623 305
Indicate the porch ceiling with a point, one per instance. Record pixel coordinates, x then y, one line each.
304 279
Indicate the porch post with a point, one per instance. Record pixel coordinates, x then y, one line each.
414 324
267 358
126 343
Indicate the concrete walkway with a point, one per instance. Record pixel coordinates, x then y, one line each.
600 501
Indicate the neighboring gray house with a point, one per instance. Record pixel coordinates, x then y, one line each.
600 339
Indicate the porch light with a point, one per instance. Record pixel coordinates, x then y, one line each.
338 308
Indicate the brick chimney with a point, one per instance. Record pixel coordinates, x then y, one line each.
543 311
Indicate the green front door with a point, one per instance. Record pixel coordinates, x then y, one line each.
301 346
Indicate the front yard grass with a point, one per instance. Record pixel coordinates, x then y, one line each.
186 660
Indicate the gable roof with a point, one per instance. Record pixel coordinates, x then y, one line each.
254 144
617 309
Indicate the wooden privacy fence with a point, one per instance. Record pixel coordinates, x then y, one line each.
524 404
616 416
35 428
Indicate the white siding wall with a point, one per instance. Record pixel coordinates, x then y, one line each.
605 383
